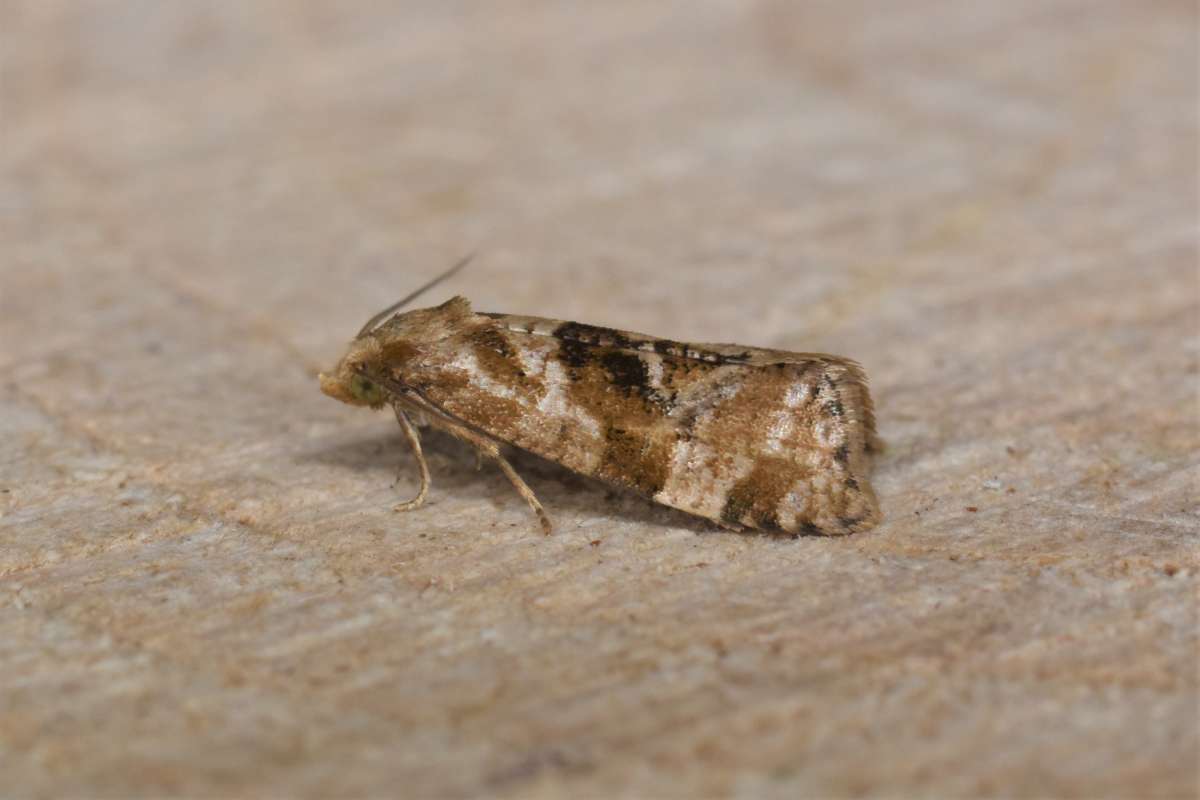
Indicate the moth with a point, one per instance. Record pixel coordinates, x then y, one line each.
747 437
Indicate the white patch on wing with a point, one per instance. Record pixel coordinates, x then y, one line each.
688 483
555 402
795 503
533 359
700 478
467 362
828 433
798 393
782 425
654 370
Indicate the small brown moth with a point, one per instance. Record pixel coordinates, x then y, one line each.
744 436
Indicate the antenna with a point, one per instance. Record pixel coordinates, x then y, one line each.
399 304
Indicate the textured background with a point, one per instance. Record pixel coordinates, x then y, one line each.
203 590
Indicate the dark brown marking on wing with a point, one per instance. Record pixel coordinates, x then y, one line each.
627 372
808 529
589 351
630 373
575 346
493 338
496 355
834 407
593 335
634 460
737 503
754 500
834 403
599 336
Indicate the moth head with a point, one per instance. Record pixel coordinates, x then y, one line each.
350 382
393 352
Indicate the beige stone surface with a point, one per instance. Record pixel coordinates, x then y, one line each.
204 592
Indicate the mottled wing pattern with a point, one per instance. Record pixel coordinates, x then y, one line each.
741 435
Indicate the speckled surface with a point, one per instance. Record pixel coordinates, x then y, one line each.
203 590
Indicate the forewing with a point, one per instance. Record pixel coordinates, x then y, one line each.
743 435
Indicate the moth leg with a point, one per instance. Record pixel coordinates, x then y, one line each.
486 447
414 442
482 445
524 490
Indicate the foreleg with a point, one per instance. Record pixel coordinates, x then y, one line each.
414 442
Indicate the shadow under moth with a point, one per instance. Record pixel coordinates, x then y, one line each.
744 436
